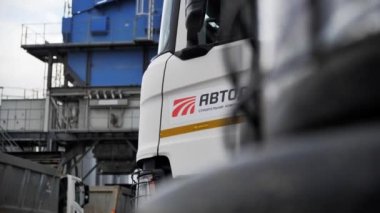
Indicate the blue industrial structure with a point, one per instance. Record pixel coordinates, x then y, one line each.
93 95
116 22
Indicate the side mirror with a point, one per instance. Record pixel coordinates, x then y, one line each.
195 15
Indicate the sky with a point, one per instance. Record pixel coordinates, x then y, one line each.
18 69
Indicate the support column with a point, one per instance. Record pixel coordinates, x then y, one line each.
1 94
47 102
50 71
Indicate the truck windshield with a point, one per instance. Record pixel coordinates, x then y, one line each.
166 29
79 193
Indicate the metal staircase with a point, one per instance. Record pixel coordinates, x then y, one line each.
7 144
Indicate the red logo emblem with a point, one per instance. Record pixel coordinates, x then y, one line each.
184 106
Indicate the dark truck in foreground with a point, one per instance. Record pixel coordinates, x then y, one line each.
26 186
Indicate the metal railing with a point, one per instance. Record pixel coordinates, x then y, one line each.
20 93
51 33
43 33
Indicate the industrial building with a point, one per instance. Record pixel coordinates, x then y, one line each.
87 125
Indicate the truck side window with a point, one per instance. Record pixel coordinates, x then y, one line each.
80 193
227 21
209 33
77 193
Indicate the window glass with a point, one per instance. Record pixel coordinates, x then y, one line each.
227 21
211 26
77 193
224 21
165 26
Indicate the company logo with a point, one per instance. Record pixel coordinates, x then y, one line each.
207 104
183 106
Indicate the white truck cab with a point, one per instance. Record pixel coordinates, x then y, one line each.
187 96
73 195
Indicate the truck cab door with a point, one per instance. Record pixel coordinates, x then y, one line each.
77 195
198 96
151 89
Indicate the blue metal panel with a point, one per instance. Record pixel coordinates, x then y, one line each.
156 27
77 62
80 6
158 4
141 27
66 29
146 6
99 3
110 21
121 21
117 68
66 25
123 24
81 29
121 15
99 25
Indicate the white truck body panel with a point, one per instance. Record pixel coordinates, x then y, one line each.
72 196
176 120
151 104
189 152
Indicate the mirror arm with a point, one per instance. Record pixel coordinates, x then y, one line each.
192 39
195 13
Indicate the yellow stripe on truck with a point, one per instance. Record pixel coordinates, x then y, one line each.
200 126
